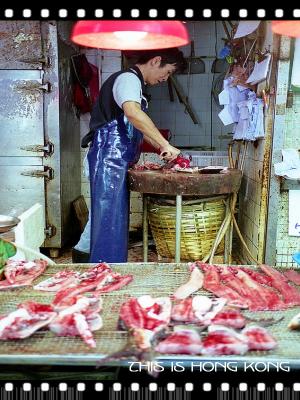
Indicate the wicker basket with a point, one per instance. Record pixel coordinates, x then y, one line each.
199 226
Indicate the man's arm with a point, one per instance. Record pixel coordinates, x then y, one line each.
143 123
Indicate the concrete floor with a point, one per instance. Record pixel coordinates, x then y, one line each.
135 254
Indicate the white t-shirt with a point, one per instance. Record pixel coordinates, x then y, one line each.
127 87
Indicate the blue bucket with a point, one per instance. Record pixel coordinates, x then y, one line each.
296 258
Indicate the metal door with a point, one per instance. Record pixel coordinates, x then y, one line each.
18 190
21 112
21 45
22 174
39 130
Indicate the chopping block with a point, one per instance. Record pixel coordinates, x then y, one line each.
182 184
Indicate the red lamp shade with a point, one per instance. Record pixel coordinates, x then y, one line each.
287 28
130 35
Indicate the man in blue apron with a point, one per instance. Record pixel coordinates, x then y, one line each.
117 127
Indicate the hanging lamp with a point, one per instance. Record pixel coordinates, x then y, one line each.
287 28
130 35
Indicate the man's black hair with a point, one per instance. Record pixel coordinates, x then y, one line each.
168 56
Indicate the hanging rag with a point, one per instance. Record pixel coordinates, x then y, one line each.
86 83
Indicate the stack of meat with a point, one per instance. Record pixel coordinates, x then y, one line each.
80 318
21 273
178 325
267 289
239 287
219 340
97 280
150 322
145 317
71 313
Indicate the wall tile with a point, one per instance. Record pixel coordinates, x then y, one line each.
196 141
111 64
92 58
182 140
111 53
91 52
156 92
135 220
105 75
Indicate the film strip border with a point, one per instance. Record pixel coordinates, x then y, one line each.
118 390
151 13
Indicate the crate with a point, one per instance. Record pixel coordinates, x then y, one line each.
199 226
206 158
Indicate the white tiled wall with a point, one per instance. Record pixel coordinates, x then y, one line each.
210 132
287 245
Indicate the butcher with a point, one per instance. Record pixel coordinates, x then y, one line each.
118 126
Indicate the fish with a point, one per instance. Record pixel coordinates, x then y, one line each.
146 319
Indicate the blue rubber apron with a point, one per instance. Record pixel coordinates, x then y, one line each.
115 147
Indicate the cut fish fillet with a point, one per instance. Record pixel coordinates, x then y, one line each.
144 317
223 341
27 319
231 318
290 294
21 273
79 319
181 342
59 281
259 338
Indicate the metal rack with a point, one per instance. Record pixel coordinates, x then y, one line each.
45 348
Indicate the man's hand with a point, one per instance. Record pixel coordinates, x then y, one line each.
143 123
169 152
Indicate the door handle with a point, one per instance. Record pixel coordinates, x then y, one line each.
46 61
45 87
48 173
48 148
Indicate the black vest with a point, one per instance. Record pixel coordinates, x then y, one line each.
105 108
